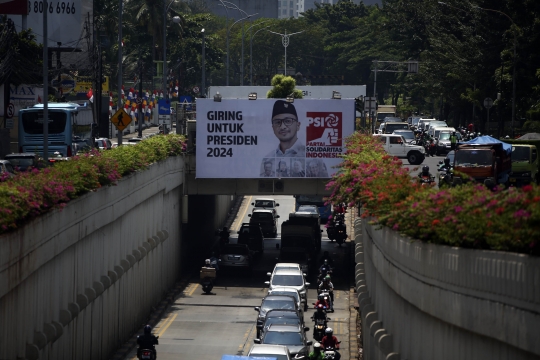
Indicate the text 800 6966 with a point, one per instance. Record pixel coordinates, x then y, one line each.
58 7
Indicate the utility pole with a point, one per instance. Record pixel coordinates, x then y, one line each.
120 8
139 98
45 85
203 80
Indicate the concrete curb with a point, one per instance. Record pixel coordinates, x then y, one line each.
157 313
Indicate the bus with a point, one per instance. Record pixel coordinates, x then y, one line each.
318 200
67 122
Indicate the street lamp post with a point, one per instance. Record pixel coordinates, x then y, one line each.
285 41
247 16
251 50
203 80
165 9
227 36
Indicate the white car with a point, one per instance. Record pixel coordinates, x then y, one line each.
396 145
265 203
293 278
302 305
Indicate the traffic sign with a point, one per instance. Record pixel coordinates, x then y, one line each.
196 89
164 107
488 103
186 101
121 119
139 100
10 111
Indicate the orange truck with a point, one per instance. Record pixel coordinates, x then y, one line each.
484 159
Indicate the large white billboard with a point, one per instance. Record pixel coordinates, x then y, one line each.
270 138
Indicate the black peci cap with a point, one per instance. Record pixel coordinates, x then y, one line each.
283 107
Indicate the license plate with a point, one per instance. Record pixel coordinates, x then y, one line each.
512 179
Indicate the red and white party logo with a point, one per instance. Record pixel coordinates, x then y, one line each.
324 129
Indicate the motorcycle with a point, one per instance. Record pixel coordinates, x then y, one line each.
147 354
330 353
329 294
341 232
331 230
208 277
445 177
323 271
319 329
427 180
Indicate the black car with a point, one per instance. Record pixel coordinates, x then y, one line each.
280 317
23 161
252 236
276 302
267 219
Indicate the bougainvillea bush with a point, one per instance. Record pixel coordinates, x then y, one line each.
30 194
468 216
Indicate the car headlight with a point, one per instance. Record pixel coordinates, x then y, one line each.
526 174
422 150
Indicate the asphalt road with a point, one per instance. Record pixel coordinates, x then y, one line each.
204 327
431 161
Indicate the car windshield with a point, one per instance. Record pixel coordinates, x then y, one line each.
261 216
283 338
444 136
270 304
32 122
294 294
236 250
474 157
264 203
307 208
276 356
282 321
287 280
22 163
391 127
519 153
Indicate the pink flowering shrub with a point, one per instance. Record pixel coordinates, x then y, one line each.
30 194
468 216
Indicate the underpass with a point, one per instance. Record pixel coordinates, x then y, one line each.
208 326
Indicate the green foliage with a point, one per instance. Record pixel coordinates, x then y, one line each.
283 87
30 194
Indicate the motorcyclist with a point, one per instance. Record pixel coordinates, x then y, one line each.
322 301
326 256
325 268
330 341
326 285
316 354
214 261
425 172
445 166
147 341
224 236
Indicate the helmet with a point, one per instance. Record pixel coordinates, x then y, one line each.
327 278
329 331
507 137
316 345
453 133
147 329
425 169
207 261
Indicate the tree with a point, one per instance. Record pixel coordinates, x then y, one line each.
283 87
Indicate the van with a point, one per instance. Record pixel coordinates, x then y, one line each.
423 122
435 130
433 124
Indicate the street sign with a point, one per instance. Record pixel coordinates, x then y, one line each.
139 100
488 103
164 107
121 119
186 102
369 103
196 89
10 111
164 119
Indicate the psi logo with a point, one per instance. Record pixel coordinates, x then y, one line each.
324 129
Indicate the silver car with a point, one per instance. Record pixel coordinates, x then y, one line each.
292 336
236 255
289 292
292 278
280 352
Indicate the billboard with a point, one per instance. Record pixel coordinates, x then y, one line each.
271 138
18 7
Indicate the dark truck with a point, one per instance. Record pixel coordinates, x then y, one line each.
484 159
301 233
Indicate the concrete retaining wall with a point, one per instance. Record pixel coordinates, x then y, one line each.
424 301
76 283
